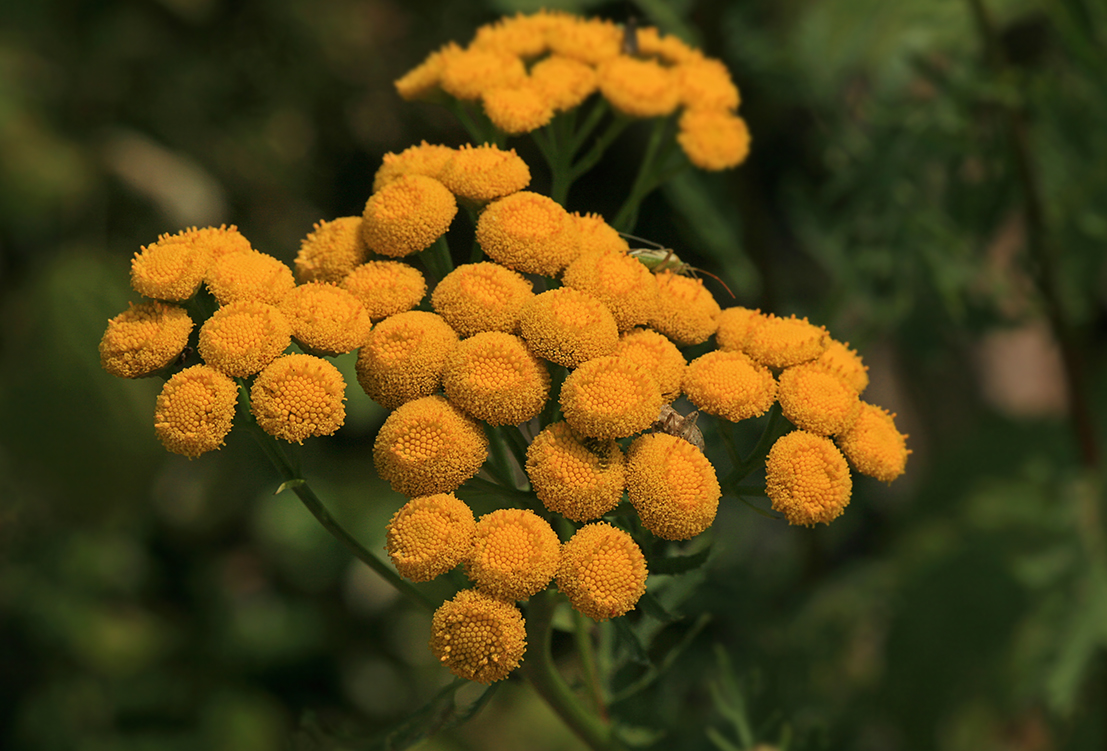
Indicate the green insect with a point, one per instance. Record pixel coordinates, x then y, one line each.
659 259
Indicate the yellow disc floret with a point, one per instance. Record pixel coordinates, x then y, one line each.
619 281
299 396
598 235
424 159
407 215
403 358
496 378
479 638
845 363
874 446
243 337
639 88
331 251
172 268
589 40
807 479
672 486
529 232
422 80
565 82
816 400
515 554
568 327
482 173
250 275
602 571
429 536
658 356
479 297
326 318
521 35
194 410
669 48
517 109
466 74
729 385
784 342
705 84
610 397
734 326
579 479
713 139
686 311
144 338
385 288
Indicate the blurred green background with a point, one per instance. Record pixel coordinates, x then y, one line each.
929 183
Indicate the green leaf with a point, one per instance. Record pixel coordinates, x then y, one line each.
678 564
628 640
440 713
288 485
653 608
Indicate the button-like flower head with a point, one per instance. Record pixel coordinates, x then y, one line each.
672 486
529 232
568 327
479 297
297 397
430 535
496 378
478 637
407 215
602 572
515 554
874 446
729 385
195 410
243 337
610 397
581 480
326 318
144 338
331 251
385 288
249 275
807 479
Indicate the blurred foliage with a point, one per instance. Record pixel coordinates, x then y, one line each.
151 602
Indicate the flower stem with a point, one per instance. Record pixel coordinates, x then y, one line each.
437 258
761 450
650 174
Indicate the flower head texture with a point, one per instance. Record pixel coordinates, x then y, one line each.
326 318
672 486
619 281
496 378
705 84
669 48
874 446
385 288
686 311
596 235
479 297
429 536
194 410
602 571
729 385
249 275
579 479
478 637
467 74
297 397
144 338
243 337
610 397
331 251
528 232
713 139
403 358
589 40
517 109
484 173
424 159
637 87
521 35
429 446
784 342
422 80
568 327
515 554
658 355
845 363
173 267
734 326
807 479
407 215
816 400
564 82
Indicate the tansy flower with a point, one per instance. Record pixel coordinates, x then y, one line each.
873 445
816 400
807 479
565 82
482 173
424 159
659 356
429 536
243 337
639 88
713 139
170 269
466 74
671 49
568 327
602 571
784 342
481 297
581 480
686 311
589 40
705 84
144 338
845 363
672 486
194 410
494 377
332 251
326 318
429 446
479 638
249 275
729 385
423 79
619 281
407 215
734 325
517 109
515 554
521 35
609 397
597 235
528 232
385 288
297 397
403 358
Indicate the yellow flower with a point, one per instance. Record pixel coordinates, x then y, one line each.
734 325
639 88
173 267
602 572
494 377
713 139
194 410
845 363
515 554
816 400
482 173
705 84
467 74
528 232
669 48
784 342
326 318
568 327
243 337
581 481
597 235
422 80
429 446
658 356
520 35
144 338
479 638
729 385
589 40
479 297
249 275
385 288
619 281
610 397
332 251
429 536
407 215
565 82
874 446
672 486
403 358
517 109
297 397
807 479
424 159
686 311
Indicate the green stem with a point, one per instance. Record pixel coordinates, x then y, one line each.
588 161
761 450
501 465
599 109
437 258
649 176
582 636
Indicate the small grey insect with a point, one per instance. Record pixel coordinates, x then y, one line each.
630 36
682 426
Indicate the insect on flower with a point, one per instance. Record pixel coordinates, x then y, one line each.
659 259
682 426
